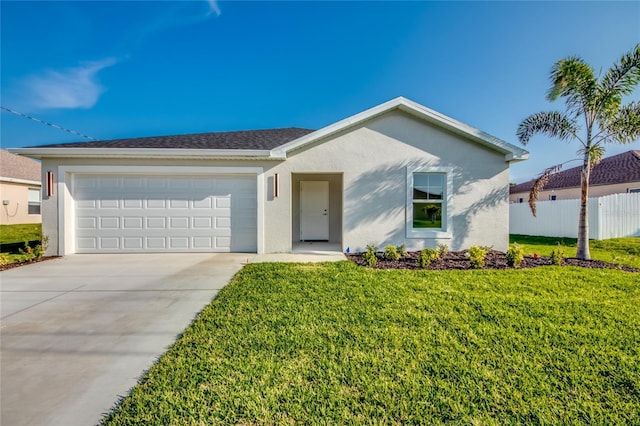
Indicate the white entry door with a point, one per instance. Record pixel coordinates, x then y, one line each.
314 210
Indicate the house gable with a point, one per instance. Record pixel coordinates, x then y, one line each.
433 118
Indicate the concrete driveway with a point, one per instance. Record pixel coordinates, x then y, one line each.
77 332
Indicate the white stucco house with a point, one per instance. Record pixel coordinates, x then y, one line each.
398 173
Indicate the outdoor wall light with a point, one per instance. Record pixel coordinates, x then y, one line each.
49 184
276 185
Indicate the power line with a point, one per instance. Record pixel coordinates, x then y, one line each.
37 120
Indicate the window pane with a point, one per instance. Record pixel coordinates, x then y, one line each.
34 195
420 179
436 186
34 208
428 186
427 215
420 193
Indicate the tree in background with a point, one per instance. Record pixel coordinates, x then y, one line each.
594 116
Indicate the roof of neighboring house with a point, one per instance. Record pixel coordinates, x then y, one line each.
17 167
245 139
619 168
273 144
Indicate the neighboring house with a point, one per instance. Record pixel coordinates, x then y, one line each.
613 175
19 189
398 173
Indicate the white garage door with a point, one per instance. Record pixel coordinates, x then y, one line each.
165 213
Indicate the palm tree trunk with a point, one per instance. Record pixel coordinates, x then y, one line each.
583 222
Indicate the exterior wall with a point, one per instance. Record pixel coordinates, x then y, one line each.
374 159
574 193
17 211
371 160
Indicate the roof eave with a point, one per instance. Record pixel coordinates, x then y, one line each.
20 181
142 153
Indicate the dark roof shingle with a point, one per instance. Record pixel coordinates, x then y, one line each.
619 168
245 139
17 167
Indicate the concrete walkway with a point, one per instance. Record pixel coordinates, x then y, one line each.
77 332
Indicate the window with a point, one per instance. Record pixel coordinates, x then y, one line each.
427 202
34 201
521 200
428 192
634 190
552 197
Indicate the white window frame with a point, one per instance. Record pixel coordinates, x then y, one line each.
447 229
31 202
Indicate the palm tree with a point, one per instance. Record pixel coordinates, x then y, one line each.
594 116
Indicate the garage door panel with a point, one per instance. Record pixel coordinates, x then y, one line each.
168 213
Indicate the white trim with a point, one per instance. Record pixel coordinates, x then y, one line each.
511 152
66 203
141 153
447 229
23 181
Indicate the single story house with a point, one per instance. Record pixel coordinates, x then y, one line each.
613 175
398 173
19 189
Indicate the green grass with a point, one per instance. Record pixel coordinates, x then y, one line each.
19 233
624 251
341 344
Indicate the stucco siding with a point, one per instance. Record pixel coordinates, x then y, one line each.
374 158
369 162
17 211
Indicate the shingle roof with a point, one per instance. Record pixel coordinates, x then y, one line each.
619 168
17 167
245 139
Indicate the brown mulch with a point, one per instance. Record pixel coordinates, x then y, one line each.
494 260
18 264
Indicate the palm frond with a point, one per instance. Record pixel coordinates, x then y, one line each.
624 76
624 126
620 80
574 80
538 185
554 124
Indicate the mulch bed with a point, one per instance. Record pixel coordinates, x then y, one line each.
494 260
18 264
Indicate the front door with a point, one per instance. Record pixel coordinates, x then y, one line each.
314 210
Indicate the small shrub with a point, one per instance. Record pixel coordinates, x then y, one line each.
443 249
402 250
370 257
477 256
41 248
515 255
427 256
4 259
557 255
391 253
27 254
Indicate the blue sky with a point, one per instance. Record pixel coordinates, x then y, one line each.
126 69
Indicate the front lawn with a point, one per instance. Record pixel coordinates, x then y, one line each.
624 251
20 233
342 344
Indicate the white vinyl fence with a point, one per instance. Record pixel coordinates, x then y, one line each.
612 216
